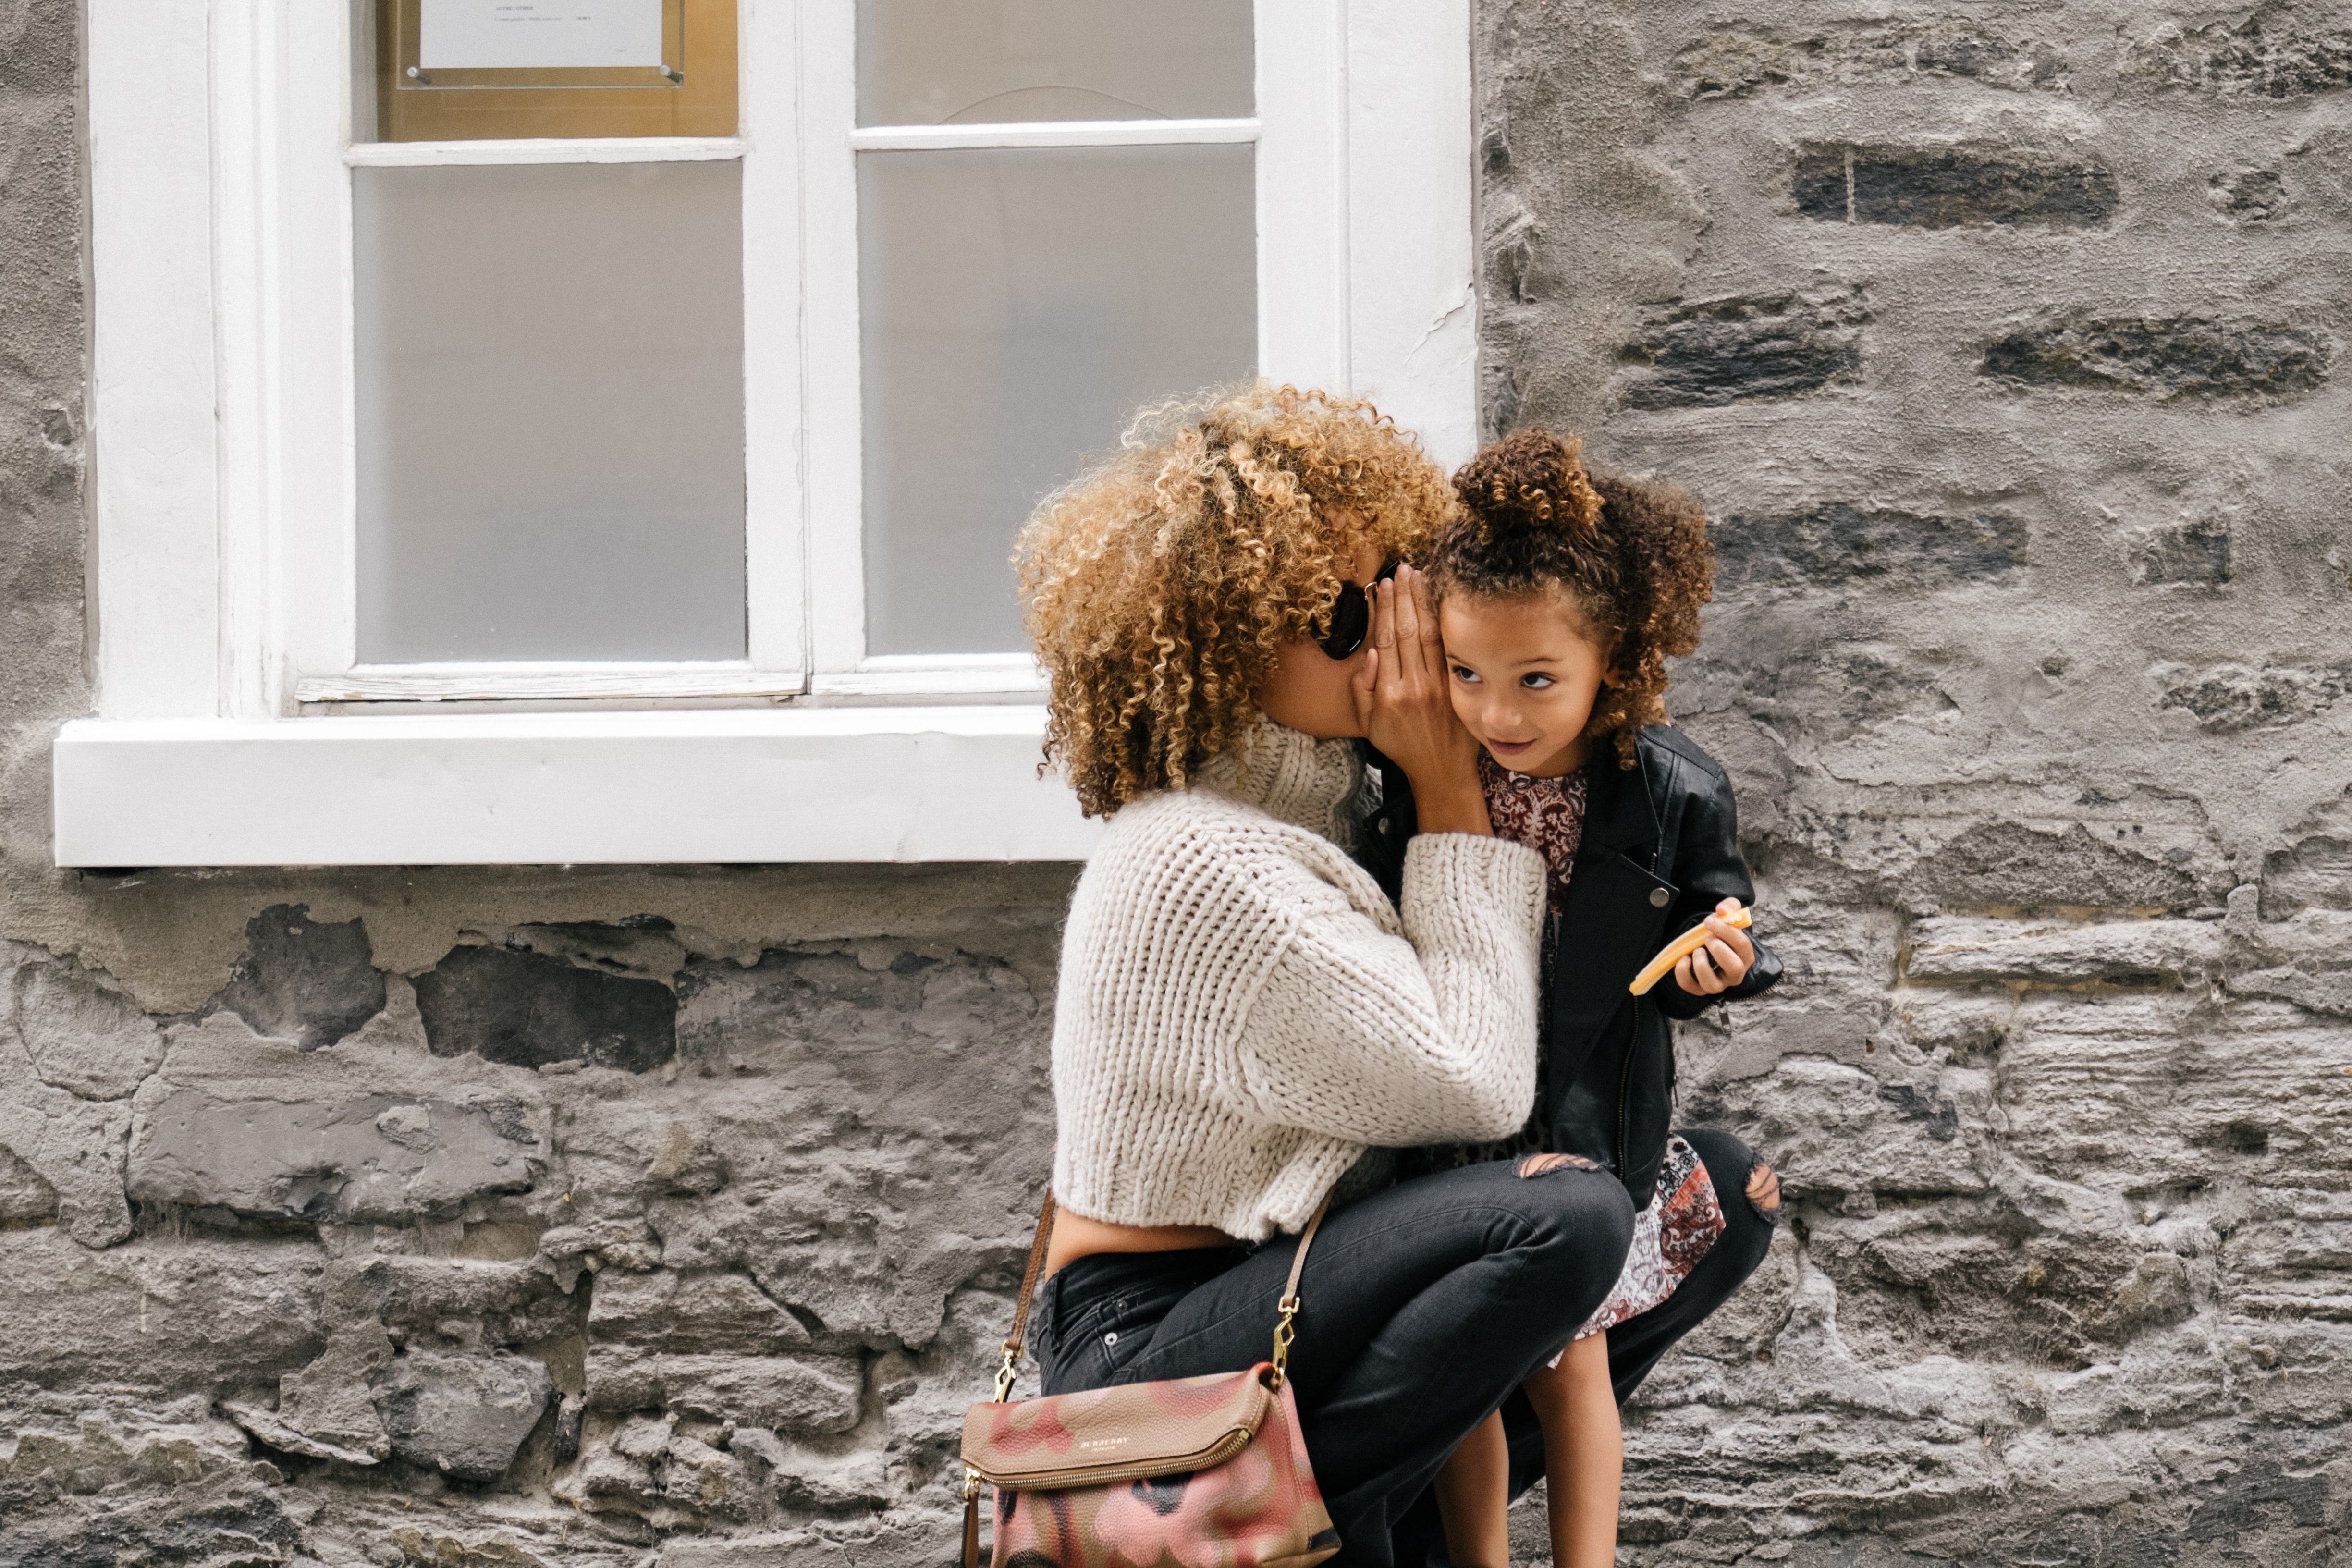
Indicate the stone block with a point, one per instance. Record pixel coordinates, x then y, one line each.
2147 954
812 1394
2167 358
25 1197
1734 61
1743 349
379 1159
529 1010
327 1410
2249 195
689 1312
2270 54
2195 552
1834 1128
71 1146
2297 1266
2010 863
463 1415
157 1313
1951 187
497 1304
1841 543
82 1032
303 980
2229 697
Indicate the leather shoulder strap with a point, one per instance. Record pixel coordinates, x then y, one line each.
1037 1245
1299 1258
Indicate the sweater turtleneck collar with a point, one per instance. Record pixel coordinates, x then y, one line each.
1292 776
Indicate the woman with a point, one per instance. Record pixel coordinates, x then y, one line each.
1242 1012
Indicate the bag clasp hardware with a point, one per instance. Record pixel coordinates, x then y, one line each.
1285 1334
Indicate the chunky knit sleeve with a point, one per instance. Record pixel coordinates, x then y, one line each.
1360 1033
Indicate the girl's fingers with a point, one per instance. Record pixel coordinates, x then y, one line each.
1693 979
1725 961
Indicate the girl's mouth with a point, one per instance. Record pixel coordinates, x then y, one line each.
1503 749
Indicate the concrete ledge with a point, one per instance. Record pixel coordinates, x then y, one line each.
791 784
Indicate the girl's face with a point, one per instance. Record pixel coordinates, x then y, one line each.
1523 672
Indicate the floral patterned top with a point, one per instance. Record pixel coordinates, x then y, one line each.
1544 814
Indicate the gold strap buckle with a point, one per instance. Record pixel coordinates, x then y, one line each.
970 1484
1285 1334
1005 1374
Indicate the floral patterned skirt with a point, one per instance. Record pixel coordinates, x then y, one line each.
1670 1236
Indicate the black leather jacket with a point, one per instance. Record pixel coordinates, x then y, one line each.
1660 847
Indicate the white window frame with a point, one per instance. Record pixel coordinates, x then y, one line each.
234 726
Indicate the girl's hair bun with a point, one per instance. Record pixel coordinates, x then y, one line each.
1530 481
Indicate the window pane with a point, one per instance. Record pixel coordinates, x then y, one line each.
1016 306
945 62
551 412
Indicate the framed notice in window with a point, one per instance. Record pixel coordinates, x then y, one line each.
464 71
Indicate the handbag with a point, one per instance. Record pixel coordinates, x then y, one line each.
1206 1472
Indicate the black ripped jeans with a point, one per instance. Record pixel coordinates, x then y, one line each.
1425 1307
1635 1345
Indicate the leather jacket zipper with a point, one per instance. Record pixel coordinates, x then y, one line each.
1632 1047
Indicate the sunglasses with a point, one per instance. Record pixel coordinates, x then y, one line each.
1351 617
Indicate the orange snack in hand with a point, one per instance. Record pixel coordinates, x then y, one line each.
1682 947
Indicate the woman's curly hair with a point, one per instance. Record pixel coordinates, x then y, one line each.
1633 555
1159 586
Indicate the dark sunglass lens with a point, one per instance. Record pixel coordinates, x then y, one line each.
1351 617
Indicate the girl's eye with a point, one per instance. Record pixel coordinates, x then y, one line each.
1536 681
1461 674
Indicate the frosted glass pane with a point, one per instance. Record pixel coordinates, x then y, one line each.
1016 306
551 412
935 62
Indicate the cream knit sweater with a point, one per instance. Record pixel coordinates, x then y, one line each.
1243 1011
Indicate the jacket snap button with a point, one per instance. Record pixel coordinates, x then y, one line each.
1657 897
1111 1337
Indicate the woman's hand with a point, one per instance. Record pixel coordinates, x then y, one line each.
1407 711
1723 963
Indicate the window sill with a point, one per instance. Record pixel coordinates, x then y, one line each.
888 784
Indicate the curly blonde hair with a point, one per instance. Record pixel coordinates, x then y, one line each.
1631 553
1159 586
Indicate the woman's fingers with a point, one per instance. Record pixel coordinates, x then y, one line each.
1363 685
1427 613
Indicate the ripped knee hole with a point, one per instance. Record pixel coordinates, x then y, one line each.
1544 1164
1764 1187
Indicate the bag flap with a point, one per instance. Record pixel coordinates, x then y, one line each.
1131 1431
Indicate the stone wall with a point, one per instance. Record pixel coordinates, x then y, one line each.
627 1217
2007 347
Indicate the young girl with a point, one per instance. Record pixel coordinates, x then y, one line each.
1562 592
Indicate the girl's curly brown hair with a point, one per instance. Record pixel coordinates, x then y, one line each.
1633 555
1159 586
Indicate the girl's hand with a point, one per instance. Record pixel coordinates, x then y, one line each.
1723 963
1407 712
